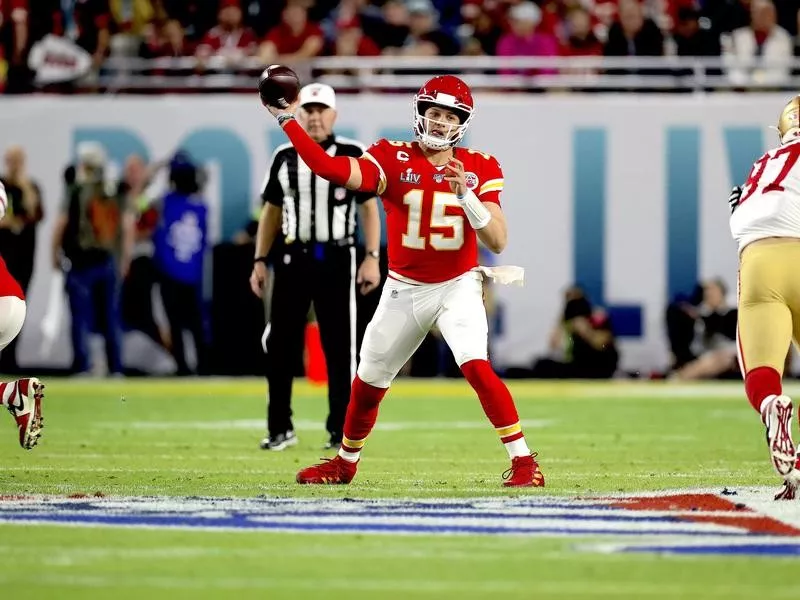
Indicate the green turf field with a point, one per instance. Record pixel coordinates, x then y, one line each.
127 438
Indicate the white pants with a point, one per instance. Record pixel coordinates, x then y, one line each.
12 316
407 312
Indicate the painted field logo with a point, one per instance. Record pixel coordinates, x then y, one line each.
686 522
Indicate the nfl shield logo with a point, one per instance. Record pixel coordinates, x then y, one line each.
438 177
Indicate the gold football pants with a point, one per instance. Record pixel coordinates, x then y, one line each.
769 302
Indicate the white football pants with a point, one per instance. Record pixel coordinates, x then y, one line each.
12 316
405 314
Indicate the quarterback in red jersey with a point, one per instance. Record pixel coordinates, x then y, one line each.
439 200
23 397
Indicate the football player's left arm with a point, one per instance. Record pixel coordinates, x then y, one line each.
483 213
495 234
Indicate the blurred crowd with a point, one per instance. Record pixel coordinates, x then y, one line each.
289 31
117 239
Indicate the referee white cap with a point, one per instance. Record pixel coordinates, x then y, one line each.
318 93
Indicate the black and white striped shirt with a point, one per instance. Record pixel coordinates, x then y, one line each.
314 210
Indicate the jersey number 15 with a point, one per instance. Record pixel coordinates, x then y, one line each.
440 220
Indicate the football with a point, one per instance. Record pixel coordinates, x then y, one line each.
278 86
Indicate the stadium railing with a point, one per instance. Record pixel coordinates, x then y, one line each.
402 74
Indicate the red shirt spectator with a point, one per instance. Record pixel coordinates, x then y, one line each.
229 37
92 18
551 17
295 37
351 41
169 41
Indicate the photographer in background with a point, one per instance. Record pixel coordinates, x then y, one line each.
180 242
713 353
87 241
582 344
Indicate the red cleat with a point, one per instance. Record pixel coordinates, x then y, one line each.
25 405
330 471
524 472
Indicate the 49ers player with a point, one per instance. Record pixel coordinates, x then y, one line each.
22 398
437 198
765 221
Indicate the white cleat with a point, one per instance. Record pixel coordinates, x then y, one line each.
791 485
777 416
25 405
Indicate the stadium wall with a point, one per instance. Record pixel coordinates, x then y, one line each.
624 194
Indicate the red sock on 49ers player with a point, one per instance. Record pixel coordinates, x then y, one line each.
8 391
498 405
362 412
761 383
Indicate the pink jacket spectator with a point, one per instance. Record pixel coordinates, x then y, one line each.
524 39
535 45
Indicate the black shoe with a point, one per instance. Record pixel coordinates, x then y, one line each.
334 442
279 442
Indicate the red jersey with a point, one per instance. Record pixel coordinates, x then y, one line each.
429 237
219 40
287 42
9 285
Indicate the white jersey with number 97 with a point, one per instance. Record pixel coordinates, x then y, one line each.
770 201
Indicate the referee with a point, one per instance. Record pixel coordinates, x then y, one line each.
314 260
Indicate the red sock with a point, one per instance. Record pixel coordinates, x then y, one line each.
7 392
760 383
362 412
497 403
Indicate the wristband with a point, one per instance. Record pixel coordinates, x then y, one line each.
284 117
477 214
261 259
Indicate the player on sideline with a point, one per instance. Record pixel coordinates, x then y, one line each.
23 397
765 221
437 197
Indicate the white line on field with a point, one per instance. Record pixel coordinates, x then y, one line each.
307 425
583 589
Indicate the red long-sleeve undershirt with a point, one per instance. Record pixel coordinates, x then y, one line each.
335 169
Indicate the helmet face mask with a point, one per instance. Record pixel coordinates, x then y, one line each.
455 98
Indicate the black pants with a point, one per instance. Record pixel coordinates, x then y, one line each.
183 304
681 334
324 275
137 301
